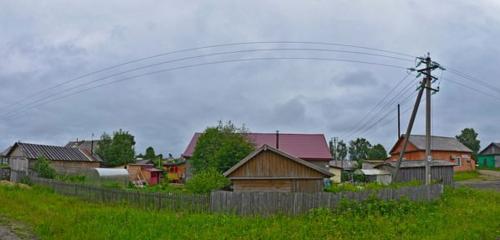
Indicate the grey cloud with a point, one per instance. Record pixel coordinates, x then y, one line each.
57 43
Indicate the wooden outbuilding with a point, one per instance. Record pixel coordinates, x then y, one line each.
64 160
141 174
268 169
489 157
441 171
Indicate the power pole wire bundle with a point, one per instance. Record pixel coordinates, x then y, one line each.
427 85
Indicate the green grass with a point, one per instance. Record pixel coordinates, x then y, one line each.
460 214
356 187
461 176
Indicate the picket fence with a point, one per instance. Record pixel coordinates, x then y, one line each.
241 203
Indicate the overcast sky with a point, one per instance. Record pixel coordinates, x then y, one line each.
45 43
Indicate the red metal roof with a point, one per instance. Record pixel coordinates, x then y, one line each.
311 147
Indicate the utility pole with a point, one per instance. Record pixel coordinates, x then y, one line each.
427 85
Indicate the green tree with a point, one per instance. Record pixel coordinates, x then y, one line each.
220 147
468 137
117 150
358 150
377 152
150 153
43 168
341 150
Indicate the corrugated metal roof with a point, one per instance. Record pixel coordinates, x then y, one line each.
304 146
374 172
492 149
52 152
346 165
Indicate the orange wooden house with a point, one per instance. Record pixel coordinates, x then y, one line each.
176 171
442 148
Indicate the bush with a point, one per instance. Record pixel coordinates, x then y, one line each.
206 181
43 168
355 187
26 180
71 178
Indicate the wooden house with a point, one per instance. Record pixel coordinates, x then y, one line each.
489 157
442 148
268 169
338 168
309 147
176 171
64 160
441 171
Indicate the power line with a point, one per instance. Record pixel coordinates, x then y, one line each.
384 116
209 47
362 119
497 98
50 99
195 57
473 79
402 91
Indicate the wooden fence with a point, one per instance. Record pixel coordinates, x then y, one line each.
171 201
258 203
241 203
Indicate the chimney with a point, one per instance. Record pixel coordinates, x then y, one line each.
277 139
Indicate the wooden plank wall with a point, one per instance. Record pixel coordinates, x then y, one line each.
241 203
270 164
292 203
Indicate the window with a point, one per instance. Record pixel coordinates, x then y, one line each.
458 161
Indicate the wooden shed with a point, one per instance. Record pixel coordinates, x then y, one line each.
414 170
144 174
268 169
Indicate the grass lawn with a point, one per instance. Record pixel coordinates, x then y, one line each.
461 176
461 214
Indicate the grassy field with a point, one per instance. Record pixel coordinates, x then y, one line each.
460 214
461 176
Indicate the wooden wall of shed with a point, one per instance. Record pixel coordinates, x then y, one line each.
71 167
277 185
133 171
270 164
442 174
337 175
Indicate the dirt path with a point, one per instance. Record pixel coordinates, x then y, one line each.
10 230
487 180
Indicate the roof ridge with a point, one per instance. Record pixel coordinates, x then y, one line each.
44 145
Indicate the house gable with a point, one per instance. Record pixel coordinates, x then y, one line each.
267 162
492 149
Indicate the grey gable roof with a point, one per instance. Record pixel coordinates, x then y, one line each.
266 147
439 143
492 149
33 151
